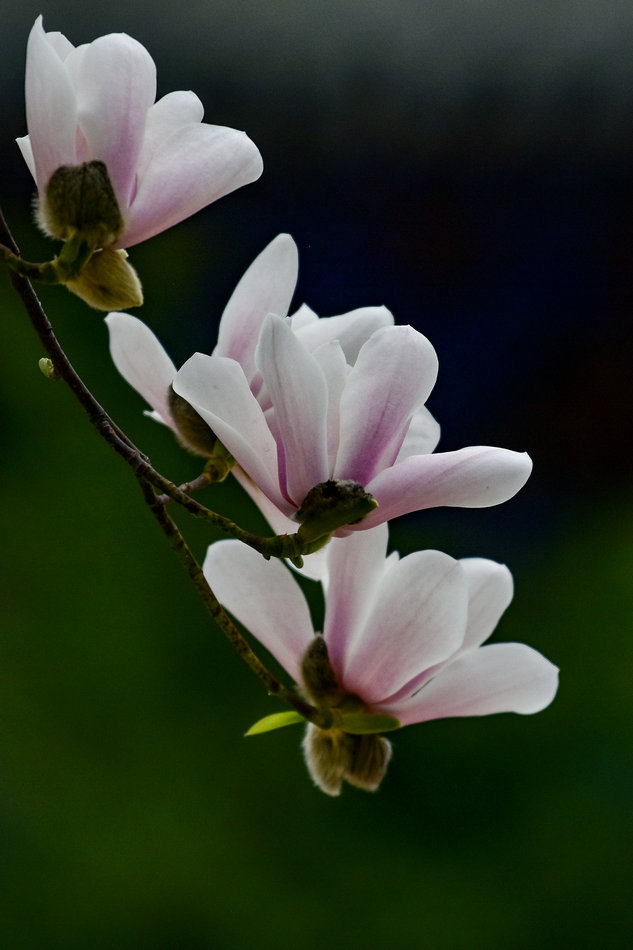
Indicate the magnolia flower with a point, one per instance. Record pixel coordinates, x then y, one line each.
267 287
326 422
91 113
401 638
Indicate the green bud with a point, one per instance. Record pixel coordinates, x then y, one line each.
194 433
332 505
47 368
107 281
80 200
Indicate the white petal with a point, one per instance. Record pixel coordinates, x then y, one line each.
264 597
355 566
51 109
475 477
266 287
331 359
351 330
298 392
142 361
170 114
115 83
422 435
393 376
490 591
418 618
502 677
195 166
218 390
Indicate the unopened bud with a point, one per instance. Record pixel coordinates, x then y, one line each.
108 282
193 431
334 757
47 368
80 200
332 505
318 675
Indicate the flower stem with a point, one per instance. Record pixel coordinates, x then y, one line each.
149 480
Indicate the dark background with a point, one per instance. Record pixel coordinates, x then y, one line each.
469 165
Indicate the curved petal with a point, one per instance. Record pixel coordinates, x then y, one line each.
490 592
142 361
418 618
331 359
194 166
171 113
355 566
502 677
422 435
218 390
115 84
298 392
264 597
266 287
393 376
51 109
475 477
351 330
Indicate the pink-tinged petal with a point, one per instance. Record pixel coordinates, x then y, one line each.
264 597
51 109
490 592
142 361
418 619
194 166
331 359
173 112
218 390
351 330
502 677
475 477
115 82
393 376
355 566
266 287
299 394
422 435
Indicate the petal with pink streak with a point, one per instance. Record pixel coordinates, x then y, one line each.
502 677
115 83
393 375
218 390
355 566
351 330
266 287
264 597
194 166
142 361
475 477
418 618
51 109
298 392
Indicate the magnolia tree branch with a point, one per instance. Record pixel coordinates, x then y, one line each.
150 481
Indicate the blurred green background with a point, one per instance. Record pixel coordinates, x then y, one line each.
470 166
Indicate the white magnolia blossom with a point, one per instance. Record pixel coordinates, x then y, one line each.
404 636
266 287
96 103
325 417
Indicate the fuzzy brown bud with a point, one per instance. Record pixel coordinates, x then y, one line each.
80 200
